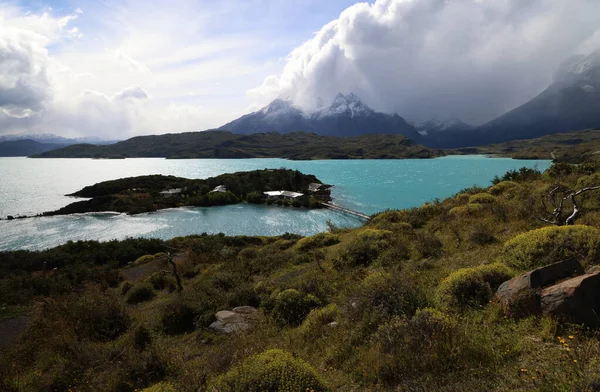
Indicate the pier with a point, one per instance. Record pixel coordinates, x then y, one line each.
346 210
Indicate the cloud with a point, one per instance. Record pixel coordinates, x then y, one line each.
422 58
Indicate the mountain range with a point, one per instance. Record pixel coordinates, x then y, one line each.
571 102
347 115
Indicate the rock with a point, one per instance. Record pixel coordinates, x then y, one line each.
10 217
235 320
520 296
575 300
333 324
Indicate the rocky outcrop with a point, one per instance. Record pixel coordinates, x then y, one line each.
562 290
235 320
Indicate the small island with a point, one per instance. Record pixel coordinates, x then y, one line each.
135 195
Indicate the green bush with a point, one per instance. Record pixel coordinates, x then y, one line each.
161 281
177 318
482 198
320 240
140 292
98 316
144 259
467 210
471 287
291 307
272 370
141 337
540 247
255 197
365 249
501 187
382 295
403 347
317 321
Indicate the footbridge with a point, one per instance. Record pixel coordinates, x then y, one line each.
346 210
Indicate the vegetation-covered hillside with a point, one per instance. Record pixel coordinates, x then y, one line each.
404 303
572 147
222 144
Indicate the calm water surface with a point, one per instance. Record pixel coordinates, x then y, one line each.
32 186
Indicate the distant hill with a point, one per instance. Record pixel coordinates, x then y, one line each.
222 144
50 138
347 115
571 147
23 148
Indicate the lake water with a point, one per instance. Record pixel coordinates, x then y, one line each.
32 186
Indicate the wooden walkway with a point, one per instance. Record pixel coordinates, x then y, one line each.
346 210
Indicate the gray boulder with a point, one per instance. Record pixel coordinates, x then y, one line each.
235 320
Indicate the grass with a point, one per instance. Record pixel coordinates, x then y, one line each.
402 303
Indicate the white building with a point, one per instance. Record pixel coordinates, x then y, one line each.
276 195
171 192
220 189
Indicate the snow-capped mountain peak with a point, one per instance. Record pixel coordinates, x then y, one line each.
349 104
579 70
280 108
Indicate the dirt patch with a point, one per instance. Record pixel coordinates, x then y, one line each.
11 329
140 272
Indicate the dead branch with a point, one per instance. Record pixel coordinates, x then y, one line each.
558 203
173 265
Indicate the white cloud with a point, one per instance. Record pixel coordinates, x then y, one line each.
423 58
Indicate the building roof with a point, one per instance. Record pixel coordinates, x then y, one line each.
171 191
313 187
291 194
220 188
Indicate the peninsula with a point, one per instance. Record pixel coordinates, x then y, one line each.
135 195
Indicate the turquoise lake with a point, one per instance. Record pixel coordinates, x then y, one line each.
32 186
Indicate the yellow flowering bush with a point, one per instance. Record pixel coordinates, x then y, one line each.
272 370
551 244
502 187
469 287
481 198
320 240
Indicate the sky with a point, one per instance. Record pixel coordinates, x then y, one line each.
116 69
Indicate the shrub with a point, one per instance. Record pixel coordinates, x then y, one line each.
177 318
141 337
364 249
161 281
471 287
427 245
462 198
382 295
468 210
140 292
318 320
405 347
255 197
161 387
98 316
291 307
272 370
481 198
551 244
144 259
481 235
126 286
320 240
502 187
